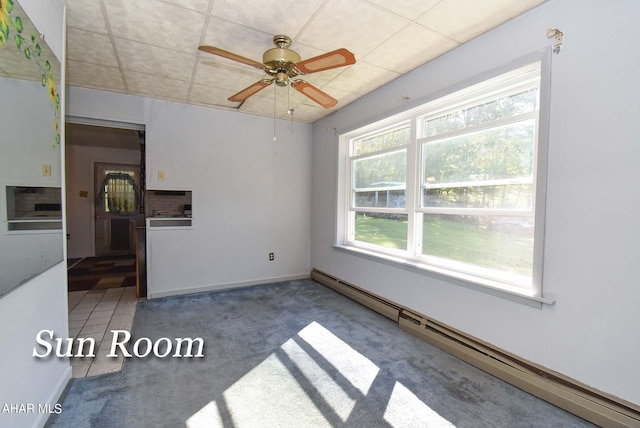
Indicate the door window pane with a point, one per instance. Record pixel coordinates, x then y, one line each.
120 193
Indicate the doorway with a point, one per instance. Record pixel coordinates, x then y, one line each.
105 167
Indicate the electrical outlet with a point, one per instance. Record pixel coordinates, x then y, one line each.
161 175
46 170
272 257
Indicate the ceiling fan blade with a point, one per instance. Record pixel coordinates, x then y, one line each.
232 56
250 90
322 98
333 59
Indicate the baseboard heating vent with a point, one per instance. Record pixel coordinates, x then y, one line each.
361 296
573 396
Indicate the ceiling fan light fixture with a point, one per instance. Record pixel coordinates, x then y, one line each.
282 78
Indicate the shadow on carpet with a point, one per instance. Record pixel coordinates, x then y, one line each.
294 354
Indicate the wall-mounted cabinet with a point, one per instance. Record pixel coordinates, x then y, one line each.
33 208
169 208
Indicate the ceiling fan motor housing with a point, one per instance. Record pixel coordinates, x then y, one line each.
273 58
280 61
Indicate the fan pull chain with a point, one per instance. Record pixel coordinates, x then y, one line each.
289 109
274 113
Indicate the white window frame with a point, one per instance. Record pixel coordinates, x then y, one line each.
516 76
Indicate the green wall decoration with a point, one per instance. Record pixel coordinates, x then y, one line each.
32 50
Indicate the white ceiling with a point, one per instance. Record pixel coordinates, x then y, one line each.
150 47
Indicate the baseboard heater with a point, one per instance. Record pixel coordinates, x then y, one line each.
595 406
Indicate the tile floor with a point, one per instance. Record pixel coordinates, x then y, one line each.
95 313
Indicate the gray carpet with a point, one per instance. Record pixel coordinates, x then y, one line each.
294 354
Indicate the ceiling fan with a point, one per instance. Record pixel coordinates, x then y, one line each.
283 65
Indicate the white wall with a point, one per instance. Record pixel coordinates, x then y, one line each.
250 194
80 177
592 244
40 303
27 135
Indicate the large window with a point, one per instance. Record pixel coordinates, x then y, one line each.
453 185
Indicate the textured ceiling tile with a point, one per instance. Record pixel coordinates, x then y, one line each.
155 23
309 113
225 75
352 24
210 96
90 47
87 15
238 39
463 20
156 38
274 17
264 106
150 59
157 86
94 76
344 97
197 5
412 47
361 78
410 9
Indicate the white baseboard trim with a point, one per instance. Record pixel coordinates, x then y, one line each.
218 287
53 398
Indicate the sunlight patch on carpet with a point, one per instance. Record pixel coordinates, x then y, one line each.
404 408
330 391
207 417
354 366
271 395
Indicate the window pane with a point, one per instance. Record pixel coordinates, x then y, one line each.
383 141
496 242
507 106
386 230
511 196
492 168
380 181
381 199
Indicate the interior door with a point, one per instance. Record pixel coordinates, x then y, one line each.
117 190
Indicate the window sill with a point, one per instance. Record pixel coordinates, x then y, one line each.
486 286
